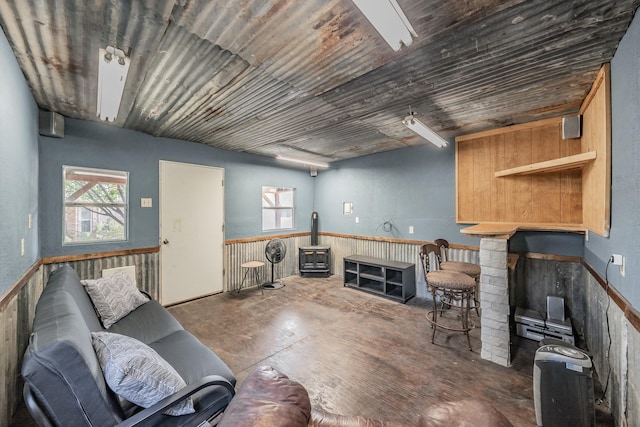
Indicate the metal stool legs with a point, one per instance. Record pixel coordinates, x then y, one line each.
451 288
446 297
255 267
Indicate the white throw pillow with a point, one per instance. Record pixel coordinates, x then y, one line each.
137 372
114 297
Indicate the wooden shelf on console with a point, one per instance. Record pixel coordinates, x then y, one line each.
576 161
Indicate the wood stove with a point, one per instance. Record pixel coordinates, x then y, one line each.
315 260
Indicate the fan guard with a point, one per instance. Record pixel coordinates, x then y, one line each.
275 252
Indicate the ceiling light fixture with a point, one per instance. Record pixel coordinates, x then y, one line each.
390 21
424 131
303 162
112 75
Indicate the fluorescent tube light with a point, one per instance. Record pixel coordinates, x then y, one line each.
390 21
303 162
112 75
424 131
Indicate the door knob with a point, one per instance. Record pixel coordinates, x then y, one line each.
165 242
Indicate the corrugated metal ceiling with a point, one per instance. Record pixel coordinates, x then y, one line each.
313 78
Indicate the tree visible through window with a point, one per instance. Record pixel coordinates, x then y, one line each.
277 208
95 205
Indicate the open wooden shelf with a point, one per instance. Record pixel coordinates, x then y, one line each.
505 180
577 161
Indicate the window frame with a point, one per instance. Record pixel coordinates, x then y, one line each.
125 205
277 207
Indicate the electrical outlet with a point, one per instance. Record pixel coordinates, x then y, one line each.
411 229
22 247
146 202
357 220
617 259
30 221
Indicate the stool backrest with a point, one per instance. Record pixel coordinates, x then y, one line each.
425 259
442 245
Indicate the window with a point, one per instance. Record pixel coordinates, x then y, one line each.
95 205
277 208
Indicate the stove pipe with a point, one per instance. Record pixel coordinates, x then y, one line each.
314 229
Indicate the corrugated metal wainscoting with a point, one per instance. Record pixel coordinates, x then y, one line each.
147 269
238 252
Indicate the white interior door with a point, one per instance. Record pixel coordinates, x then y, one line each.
191 231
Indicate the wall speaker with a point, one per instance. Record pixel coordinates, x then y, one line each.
571 127
51 124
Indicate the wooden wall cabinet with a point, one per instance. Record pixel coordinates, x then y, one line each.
527 177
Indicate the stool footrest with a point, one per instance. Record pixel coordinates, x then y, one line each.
469 327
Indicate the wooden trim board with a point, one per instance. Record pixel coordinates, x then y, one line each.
22 281
96 255
263 238
596 136
629 312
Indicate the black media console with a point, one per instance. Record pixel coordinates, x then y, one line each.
391 279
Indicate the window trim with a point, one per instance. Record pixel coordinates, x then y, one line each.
95 172
275 208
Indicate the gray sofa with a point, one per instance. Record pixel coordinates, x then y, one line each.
64 383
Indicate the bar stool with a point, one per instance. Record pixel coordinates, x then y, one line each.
450 287
467 268
254 266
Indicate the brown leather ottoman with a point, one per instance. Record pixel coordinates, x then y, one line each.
268 398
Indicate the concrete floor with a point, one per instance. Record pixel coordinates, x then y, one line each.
358 354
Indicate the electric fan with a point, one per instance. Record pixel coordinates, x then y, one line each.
275 252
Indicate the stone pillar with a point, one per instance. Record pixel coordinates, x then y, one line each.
494 301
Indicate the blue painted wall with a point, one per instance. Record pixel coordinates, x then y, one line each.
569 244
407 187
94 144
18 170
625 166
